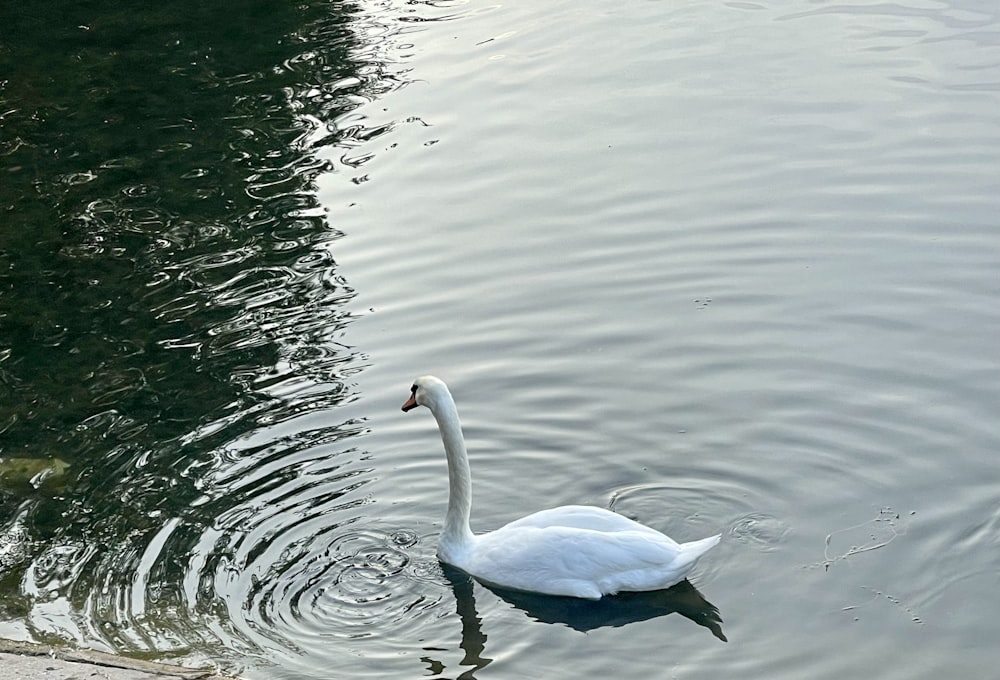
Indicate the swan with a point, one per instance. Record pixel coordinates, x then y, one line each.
574 550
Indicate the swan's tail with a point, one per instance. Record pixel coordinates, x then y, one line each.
690 552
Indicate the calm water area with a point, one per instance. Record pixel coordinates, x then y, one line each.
720 267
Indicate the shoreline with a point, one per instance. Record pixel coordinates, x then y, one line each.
32 661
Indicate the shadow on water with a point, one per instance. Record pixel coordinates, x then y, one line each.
473 638
581 615
619 610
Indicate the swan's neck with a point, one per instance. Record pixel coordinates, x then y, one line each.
457 536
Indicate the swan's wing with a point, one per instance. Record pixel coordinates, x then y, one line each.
581 517
574 561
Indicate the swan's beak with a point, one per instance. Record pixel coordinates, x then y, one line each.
411 403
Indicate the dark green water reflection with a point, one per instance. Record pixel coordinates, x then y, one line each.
157 191
166 278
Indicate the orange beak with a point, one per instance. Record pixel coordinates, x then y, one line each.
411 403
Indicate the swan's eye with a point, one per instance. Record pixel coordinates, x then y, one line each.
413 389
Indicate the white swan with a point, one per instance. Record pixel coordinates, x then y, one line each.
574 550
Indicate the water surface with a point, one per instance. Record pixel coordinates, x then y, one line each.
727 268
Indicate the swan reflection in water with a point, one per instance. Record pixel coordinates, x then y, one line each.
578 614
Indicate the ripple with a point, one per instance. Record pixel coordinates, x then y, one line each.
78 177
352 581
197 265
268 550
759 531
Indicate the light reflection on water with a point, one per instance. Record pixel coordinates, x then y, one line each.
719 269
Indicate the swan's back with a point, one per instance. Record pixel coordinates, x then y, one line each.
581 517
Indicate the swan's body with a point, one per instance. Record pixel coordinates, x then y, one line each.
574 550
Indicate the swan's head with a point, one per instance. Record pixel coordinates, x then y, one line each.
426 391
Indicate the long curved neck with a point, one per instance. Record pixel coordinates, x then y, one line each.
457 533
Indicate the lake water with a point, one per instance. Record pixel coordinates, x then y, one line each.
727 267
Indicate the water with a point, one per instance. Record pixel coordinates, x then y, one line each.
720 268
